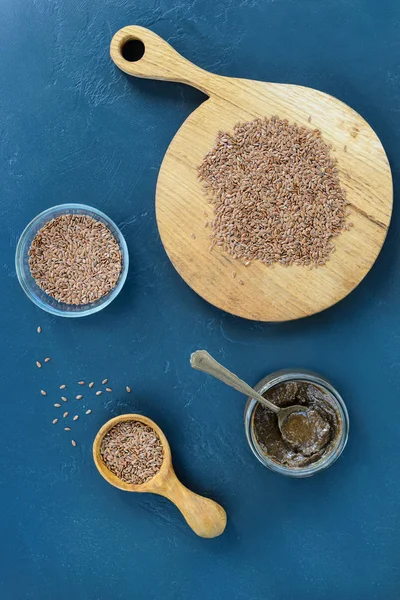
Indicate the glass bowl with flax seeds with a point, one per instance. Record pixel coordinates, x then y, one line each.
72 260
326 420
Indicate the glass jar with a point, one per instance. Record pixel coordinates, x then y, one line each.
284 376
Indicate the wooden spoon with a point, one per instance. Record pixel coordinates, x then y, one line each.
204 516
203 361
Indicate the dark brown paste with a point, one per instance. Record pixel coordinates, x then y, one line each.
309 435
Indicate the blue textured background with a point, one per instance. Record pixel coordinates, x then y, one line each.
74 128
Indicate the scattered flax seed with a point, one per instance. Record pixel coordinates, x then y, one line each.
75 418
47 359
75 259
132 451
88 412
55 421
128 389
73 442
65 415
241 282
64 399
38 364
91 384
205 224
205 213
193 236
345 149
98 393
276 193
43 393
57 405
67 428
104 381
63 386
233 274
309 119
79 397
108 389
39 329
81 382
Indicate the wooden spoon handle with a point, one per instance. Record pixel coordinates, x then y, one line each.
202 361
142 53
204 516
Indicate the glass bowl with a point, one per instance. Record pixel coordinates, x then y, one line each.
29 285
276 379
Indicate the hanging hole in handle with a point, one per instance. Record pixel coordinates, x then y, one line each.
132 50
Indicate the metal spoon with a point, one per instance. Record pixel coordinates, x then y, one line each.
203 361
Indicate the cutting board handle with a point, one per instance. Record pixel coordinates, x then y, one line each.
142 53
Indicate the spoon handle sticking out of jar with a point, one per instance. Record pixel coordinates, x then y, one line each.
203 361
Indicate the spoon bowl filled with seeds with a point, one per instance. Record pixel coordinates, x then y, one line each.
72 260
132 453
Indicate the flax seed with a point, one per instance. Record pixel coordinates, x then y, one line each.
67 428
64 399
104 381
65 415
38 364
81 382
75 259
98 393
75 418
91 384
43 393
57 405
276 193
128 389
79 397
55 421
63 386
46 360
108 389
88 412
132 451
39 329
73 442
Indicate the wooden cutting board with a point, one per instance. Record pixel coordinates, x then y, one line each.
269 293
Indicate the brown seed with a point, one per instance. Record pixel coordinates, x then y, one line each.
73 442
55 421
128 389
345 149
233 274
79 397
65 415
193 236
98 393
286 206
132 451
64 399
75 418
309 119
39 329
104 381
88 412
63 386
38 364
67 428
43 393
91 384
241 282
81 382
75 259
46 360
108 389
57 405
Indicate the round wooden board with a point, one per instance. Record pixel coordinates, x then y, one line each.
269 293
274 293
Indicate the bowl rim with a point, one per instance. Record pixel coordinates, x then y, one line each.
283 376
87 309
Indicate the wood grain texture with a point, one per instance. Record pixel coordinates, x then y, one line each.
269 293
204 516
